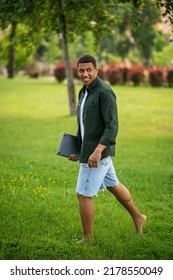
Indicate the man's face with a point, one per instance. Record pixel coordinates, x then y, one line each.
87 73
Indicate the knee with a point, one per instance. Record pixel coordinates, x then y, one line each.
83 197
112 189
121 193
79 196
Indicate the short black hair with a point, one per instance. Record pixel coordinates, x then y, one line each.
87 59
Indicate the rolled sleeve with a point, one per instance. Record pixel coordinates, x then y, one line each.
110 116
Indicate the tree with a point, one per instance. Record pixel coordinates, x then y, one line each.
71 88
10 15
145 34
70 24
67 18
60 16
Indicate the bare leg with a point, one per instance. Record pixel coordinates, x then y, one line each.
124 197
86 207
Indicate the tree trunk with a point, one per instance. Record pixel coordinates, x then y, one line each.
70 80
10 65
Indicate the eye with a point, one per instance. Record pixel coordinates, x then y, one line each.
89 70
80 71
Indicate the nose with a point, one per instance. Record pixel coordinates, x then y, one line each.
85 73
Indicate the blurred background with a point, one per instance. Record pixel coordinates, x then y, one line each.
131 40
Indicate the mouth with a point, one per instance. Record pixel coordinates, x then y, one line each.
86 79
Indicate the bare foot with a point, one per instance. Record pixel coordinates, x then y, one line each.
84 240
139 224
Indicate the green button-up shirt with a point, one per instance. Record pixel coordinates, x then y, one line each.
100 119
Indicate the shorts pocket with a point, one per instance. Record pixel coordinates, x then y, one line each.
105 161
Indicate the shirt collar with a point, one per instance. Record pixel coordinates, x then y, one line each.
91 87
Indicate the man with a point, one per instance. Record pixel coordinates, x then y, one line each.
97 131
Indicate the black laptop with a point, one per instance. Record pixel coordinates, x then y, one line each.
68 145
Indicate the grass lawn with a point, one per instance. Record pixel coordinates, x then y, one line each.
39 216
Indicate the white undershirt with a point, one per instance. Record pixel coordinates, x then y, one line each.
81 114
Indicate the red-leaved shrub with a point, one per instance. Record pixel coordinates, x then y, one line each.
59 71
169 76
125 74
74 71
112 73
136 74
101 73
156 76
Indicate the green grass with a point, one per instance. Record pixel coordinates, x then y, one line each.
39 216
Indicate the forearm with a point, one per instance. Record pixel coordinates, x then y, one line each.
100 148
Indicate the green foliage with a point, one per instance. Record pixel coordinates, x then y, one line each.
163 57
4 45
29 44
82 45
166 8
52 49
39 217
134 56
97 16
97 27
136 42
145 34
9 12
24 47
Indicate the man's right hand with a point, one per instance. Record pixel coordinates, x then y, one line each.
72 157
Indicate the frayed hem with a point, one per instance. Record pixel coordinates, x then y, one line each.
87 195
